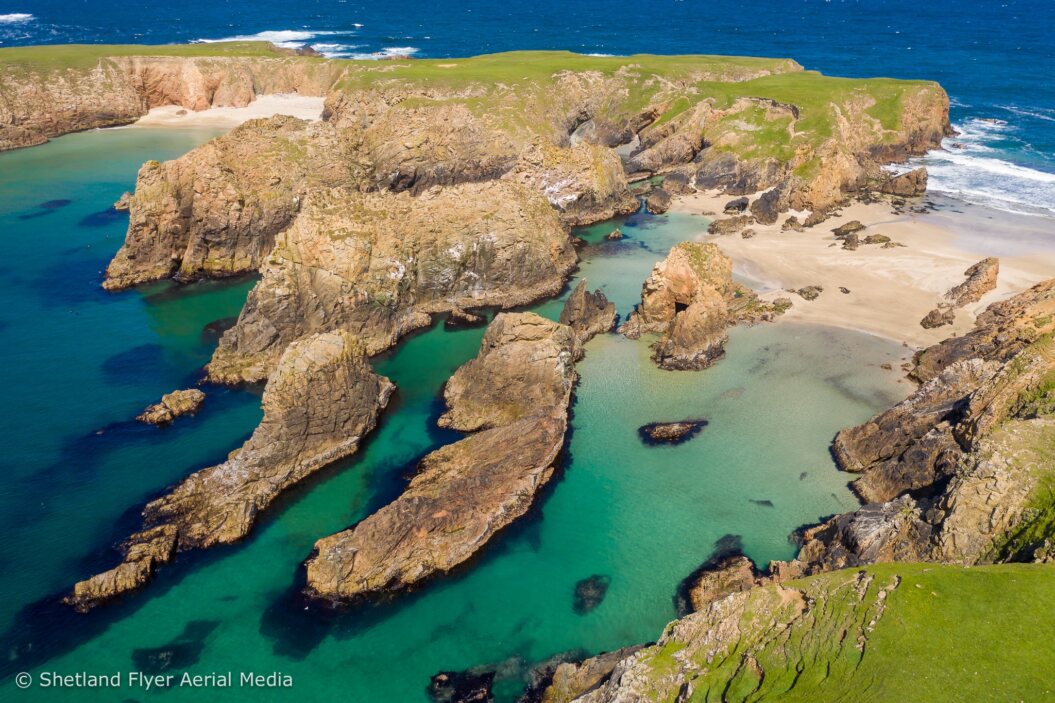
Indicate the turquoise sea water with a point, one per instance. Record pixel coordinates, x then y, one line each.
77 364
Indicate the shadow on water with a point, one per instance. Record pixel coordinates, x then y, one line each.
76 278
45 208
103 218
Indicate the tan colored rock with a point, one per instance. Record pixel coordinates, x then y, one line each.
379 264
981 278
690 300
658 201
730 225
938 317
319 404
907 184
463 494
728 575
589 314
173 405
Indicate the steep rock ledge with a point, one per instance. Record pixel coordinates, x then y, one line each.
514 396
320 402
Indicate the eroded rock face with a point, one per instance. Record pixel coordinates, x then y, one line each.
716 580
173 405
911 445
1000 332
690 300
566 681
42 102
320 402
379 263
658 201
463 494
589 314
953 469
216 211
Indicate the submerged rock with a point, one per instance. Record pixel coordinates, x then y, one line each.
462 686
320 402
173 405
589 593
670 432
514 396
615 235
589 314
458 318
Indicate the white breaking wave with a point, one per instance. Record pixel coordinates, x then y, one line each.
296 38
966 168
1037 113
16 18
389 52
287 38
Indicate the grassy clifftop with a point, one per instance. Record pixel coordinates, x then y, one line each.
87 56
892 632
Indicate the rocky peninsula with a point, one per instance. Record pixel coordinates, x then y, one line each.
513 398
320 402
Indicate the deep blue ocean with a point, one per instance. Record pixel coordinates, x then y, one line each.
995 59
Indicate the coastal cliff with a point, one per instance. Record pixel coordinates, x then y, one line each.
48 91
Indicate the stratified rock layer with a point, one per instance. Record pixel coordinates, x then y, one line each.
318 405
515 396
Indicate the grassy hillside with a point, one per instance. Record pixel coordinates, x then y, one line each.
893 632
86 56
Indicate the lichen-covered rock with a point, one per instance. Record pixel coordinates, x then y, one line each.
379 263
515 396
320 402
810 292
589 314
173 405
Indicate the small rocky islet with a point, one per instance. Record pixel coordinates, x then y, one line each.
404 203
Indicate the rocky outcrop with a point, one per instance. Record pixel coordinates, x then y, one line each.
319 404
379 264
715 580
951 473
173 405
670 432
514 397
589 314
567 681
658 201
690 300
729 225
1001 331
938 317
906 185
981 278
48 96
216 210
768 206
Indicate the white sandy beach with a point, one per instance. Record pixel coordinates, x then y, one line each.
890 289
302 106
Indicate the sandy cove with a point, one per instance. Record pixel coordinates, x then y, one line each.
890 289
302 106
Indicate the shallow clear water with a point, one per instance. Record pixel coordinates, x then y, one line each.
78 364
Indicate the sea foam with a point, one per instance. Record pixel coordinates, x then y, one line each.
969 167
16 18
